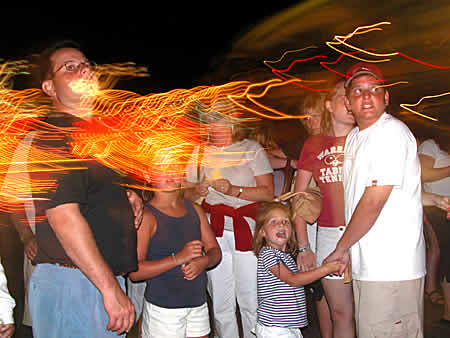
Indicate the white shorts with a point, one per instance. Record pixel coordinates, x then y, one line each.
159 322
263 331
327 238
311 230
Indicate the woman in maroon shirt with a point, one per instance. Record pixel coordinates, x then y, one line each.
321 158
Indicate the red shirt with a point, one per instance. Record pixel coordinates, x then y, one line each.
323 156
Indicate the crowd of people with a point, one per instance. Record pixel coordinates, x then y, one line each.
212 250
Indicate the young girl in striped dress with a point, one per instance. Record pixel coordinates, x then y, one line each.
281 298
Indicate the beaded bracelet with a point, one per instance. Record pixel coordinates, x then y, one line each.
174 258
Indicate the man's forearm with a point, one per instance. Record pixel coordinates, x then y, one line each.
365 215
22 228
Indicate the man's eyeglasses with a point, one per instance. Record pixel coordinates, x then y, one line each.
74 66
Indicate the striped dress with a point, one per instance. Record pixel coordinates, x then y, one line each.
279 304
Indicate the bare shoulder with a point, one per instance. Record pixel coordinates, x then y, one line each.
148 222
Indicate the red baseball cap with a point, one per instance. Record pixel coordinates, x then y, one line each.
362 68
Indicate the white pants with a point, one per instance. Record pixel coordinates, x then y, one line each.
136 291
233 279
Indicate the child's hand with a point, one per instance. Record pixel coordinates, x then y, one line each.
190 251
334 267
202 188
192 269
6 330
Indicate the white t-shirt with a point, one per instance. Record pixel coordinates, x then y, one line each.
386 154
441 160
239 163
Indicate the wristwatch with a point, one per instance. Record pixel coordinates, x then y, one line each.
302 248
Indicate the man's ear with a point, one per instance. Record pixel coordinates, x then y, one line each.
386 98
48 88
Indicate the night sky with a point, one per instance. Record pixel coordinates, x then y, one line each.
178 44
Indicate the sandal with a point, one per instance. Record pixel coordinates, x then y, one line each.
435 297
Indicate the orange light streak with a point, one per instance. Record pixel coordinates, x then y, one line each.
407 106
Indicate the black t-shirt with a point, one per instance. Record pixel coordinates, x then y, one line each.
95 188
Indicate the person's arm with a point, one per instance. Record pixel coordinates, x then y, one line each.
194 191
366 213
149 269
25 234
306 259
433 200
429 173
7 304
75 236
263 192
137 205
213 254
304 278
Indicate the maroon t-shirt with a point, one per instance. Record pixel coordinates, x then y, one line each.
323 156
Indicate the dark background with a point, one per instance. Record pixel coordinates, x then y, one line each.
178 43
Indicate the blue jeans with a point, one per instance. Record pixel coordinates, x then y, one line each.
64 303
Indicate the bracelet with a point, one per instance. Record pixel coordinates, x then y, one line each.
174 258
240 192
302 248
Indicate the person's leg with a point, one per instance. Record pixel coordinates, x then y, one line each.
339 296
324 317
278 332
432 256
135 291
159 322
245 266
221 287
389 309
198 322
64 303
340 301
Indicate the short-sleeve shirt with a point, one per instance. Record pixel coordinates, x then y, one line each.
102 201
279 304
386 154
239 163
323 156
441 160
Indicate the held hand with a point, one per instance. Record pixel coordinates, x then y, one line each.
306 261
190 251
340 256
222 185
443 202
30 248
6 330
138 207
192 269
333 267
120 310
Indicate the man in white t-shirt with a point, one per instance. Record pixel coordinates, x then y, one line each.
383 212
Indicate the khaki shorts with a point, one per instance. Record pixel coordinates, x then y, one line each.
389 309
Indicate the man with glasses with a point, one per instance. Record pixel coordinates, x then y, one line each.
383 212
87 240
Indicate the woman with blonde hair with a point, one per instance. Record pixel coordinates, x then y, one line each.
322 158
